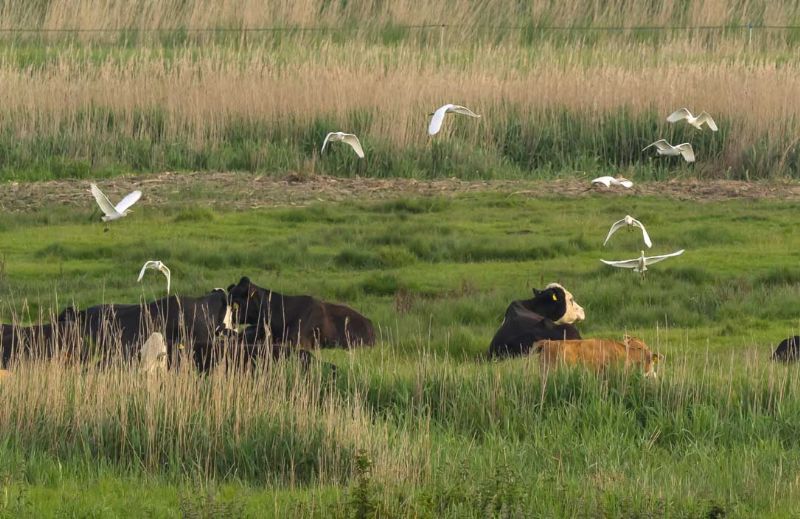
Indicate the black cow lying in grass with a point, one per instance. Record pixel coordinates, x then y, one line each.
788 350
193 323
40 341
300 320
548 315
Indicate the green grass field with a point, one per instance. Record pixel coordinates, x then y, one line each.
420 425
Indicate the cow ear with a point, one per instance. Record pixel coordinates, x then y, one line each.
230 287
536 292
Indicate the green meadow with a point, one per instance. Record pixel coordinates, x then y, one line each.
421 425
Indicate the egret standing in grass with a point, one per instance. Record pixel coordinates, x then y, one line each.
611 181
697 122
664 148
155 265
629 222
111 211
438 116
347 138
640 264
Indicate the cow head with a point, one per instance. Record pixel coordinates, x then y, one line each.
246 301
557 304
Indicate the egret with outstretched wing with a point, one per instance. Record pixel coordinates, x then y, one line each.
685 150
347 138
630 222
697 122
111 211
640 264
437 117
155 265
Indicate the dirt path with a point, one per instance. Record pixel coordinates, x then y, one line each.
245 191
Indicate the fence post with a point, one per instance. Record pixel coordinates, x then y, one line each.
749 34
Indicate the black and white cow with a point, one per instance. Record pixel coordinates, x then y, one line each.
788 350
550 314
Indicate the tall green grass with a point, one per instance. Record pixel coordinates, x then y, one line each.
517 145
422 424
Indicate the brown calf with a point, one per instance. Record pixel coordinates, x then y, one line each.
598 354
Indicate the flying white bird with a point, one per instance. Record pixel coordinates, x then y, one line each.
438 116
347 138
629 222
111 211
664 148
640 264
697 122
155 265
611 181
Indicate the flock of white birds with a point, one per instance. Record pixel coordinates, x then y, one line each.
664 148
114 212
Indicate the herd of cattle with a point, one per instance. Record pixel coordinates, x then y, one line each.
247 322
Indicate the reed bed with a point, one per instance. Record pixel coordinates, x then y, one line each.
137 88
208 14
259 110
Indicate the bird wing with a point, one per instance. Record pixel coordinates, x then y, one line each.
128 201
147 265
660 144
437 119
463 110
649 260
637 223
614 228
102 200
705 118
678 115
165 270
625 183
687 152
354 143
325 142
606 181
625 264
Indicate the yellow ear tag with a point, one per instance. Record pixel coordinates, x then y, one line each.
180 346
555 298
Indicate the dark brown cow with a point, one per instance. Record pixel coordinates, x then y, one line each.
301 320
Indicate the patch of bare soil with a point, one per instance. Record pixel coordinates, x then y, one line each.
248 191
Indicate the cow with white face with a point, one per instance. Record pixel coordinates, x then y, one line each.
550 314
